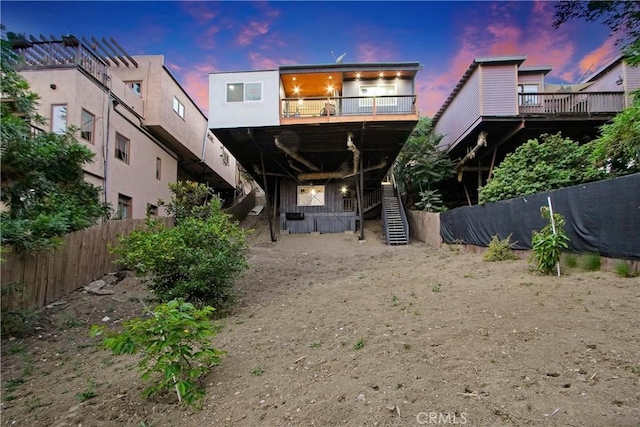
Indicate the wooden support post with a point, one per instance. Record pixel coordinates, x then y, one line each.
266 194
493 163
361 196
466 192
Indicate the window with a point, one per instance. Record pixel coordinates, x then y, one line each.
135 87
178 107
370 91
158 168
124 207
311 195
122 148
241 92
152 210
86 126
58 119
224 155
527 99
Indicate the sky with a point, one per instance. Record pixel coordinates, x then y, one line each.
201 37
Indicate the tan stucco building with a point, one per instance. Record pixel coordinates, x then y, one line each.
144 129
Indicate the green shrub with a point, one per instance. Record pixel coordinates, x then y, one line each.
175 344
499 250
571 260
16 319
548 246
197 260
623 269
592 262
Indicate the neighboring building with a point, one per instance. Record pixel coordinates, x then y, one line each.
144 129
315 135
499 104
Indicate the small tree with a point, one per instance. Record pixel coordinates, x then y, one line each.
175 344
421 167
43 183
547 246
536 166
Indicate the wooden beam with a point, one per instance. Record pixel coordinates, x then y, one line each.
106 43
493 162
115 43
94 47
97 43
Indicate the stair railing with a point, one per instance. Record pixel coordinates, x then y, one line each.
403 215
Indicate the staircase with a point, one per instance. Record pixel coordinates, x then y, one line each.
394 220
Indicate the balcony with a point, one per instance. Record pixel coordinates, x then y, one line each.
575 103
348 109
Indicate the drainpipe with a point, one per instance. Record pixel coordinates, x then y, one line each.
105 152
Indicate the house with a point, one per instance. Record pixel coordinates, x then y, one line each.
320 139
143 128
499 104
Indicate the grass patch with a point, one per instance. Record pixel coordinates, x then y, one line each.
436 288
14 347
359 344
592 262
623 269
257 371
315 344
571 260
499 250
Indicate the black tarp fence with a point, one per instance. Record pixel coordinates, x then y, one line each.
602 217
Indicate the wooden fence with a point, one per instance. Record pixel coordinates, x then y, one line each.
83 257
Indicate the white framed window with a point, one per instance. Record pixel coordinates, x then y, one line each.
178 107
523 98
244 92
86 126
370 91
135 87
122 148
59 118
311 195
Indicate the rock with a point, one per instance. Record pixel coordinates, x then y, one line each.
96 286
361 397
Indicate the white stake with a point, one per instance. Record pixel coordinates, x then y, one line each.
553 227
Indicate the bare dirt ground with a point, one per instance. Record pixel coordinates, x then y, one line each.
333 332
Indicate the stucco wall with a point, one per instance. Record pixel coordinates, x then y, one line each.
425 226
223 114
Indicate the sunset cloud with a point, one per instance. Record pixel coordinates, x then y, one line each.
372 52
598 57
249 32
261 62
201 12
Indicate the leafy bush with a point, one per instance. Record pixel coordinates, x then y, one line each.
571 260
592 262
197 260
617 150
189 200
535 166
15 318
547 246
499 250
175 344
421 167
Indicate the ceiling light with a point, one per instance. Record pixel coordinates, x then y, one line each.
381 74
343 190
330 77
296 89
357 75
329 88
398 74
294 79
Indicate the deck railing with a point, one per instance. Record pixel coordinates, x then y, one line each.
574 102
349 106
57 53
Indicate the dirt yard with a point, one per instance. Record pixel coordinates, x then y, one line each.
330 331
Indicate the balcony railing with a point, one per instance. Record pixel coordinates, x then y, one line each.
54 53
575 102
349 106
